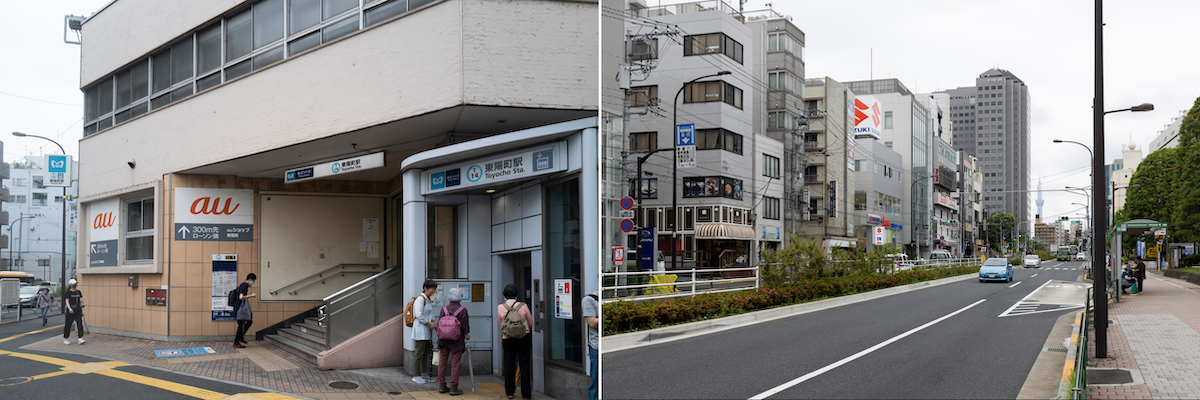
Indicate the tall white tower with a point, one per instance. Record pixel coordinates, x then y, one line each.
1039 201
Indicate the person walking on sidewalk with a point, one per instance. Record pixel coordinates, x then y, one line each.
591 314
73 311
1140 272
44 300
244 315
422 331
453 334
516 341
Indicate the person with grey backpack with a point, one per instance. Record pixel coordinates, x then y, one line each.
516 323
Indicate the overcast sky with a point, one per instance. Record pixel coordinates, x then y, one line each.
1149 47
929 45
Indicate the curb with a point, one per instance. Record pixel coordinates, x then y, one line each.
1064 388
632 340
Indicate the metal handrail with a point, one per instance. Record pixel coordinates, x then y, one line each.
673 286
322 280
331 309
1079 385
366 281
343 266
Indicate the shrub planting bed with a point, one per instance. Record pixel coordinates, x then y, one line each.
631 316
1183 274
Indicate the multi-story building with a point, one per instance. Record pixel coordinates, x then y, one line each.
1131 157
4 198
971 214
878 193
37 219
778 46
991 122
1044 233
945 214
1169 135
829 177
904 124
734 193
392 141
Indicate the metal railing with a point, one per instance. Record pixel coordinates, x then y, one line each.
1079 384
362 306
663 284
322 274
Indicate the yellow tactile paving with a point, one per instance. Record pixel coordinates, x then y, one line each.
265 359
87 368
51 375
46 359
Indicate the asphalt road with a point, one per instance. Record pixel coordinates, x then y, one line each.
32 374
911 345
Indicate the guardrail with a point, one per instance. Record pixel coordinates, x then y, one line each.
663 284
1079 384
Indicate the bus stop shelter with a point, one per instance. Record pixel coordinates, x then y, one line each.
1135 227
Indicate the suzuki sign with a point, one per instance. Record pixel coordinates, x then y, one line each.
868 119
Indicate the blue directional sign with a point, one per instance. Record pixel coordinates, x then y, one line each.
685 146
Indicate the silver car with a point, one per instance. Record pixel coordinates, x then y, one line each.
1033 261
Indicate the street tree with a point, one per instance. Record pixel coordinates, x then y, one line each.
1157 175
999 230
1187 195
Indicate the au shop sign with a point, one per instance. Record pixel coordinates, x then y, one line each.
214 214
493 170
103 225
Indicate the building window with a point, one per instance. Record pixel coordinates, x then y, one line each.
566 342
39 199
19 182
712 43
139 229
253 37
644 50
641 96
780 120
643 141
771 208
785 42
701 92
649 188
712 186
16 198
43 262
887 119
442 238
784 80
718 139
770 166
37 182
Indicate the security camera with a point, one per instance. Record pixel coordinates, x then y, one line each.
132 163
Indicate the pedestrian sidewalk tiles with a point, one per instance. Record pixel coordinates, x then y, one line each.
264 365
1155 335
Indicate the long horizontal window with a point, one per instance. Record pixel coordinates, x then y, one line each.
783 80
245 40
718 139
785 42
701 92
712 43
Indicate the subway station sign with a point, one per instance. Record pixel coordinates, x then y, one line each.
522 164
373 160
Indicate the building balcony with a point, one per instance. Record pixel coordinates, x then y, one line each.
3 217
4 169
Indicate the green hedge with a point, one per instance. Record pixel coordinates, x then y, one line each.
631 316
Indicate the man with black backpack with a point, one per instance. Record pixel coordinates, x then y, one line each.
242 311
515 324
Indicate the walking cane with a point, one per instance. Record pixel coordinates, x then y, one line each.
471 368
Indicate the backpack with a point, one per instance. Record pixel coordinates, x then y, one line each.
409 317
513 326
448 327
233 298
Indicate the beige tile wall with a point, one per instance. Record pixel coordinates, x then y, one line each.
187 270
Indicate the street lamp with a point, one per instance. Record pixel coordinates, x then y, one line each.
675 166
11 237
1137 108
62 280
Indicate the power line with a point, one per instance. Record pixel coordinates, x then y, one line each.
40 100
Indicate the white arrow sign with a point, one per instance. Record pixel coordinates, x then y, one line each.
184 231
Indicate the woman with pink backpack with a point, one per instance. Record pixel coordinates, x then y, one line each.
453 332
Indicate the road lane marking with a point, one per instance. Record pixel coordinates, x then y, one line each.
1015 284
858 355
165 385
1024 298
29 333
1033 275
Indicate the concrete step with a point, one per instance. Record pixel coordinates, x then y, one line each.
311 329
298 348
308 338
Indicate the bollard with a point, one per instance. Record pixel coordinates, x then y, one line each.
693 282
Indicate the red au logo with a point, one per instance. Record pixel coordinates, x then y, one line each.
202 206
103 220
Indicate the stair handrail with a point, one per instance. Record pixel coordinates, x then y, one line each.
328 300
365 281
321 274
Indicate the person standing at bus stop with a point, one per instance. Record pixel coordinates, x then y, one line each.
1140 272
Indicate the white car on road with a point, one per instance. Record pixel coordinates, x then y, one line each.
1033 261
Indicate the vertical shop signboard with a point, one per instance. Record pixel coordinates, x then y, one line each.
562 298
224 279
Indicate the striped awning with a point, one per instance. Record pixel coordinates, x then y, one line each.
724 231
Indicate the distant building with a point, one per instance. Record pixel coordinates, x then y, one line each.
36 217
829 176
1131 157
1169 136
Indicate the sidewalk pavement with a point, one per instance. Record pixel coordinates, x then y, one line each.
1155 335
264 365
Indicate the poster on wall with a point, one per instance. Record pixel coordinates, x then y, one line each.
224 279
102 236
214 214
562 298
